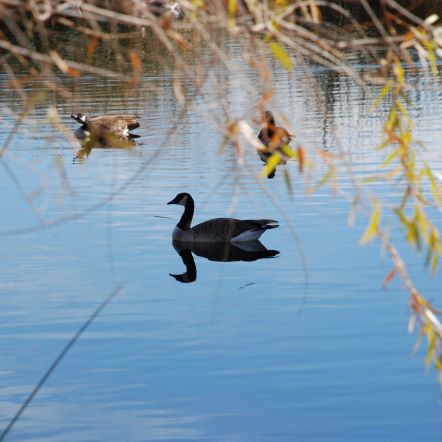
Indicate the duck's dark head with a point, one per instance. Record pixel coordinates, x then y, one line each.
269 118
81 118
181 199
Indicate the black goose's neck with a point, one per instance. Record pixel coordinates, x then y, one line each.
186 217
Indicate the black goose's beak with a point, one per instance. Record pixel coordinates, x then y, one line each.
171 202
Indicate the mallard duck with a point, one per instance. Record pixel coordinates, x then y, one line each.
273 137
218 229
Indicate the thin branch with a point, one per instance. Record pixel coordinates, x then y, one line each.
57 361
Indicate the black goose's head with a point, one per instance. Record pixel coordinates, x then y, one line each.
269 118
181 199
81 118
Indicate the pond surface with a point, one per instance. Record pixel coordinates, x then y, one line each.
306 345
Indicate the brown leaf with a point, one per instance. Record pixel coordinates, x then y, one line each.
389 278
136 65
301 159
91 48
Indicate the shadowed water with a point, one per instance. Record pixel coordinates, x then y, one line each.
303 346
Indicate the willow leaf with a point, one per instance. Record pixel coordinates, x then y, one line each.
373 225
271 164
281 54
381 96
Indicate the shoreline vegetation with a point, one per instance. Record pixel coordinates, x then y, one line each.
390 36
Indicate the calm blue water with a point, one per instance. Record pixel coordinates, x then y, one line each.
305 346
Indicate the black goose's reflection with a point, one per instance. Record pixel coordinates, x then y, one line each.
224 252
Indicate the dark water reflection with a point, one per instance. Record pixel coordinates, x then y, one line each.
222 252
287 357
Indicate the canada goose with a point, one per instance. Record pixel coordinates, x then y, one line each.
273 137
217 229
223 252
101 127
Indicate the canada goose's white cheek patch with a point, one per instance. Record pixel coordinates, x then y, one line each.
83 118
183 201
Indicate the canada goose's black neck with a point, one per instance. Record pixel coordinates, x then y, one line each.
186 217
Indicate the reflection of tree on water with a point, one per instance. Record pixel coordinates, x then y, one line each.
223 252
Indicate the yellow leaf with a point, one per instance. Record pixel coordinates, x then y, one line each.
434 188
198 3
280 53
288 151
373 225
434 262
413 236
271 164
231 6
391 157
384 144
288 181
432 57
431 342
421 220
381 95
399 71
402 218
404 112
392 120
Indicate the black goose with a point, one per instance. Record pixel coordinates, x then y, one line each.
273 137
100 127
218 229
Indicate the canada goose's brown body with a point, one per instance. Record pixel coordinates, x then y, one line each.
100 127
218 229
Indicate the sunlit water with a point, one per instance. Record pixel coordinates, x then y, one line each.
303 346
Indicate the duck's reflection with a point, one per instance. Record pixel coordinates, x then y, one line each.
105 141
224 252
